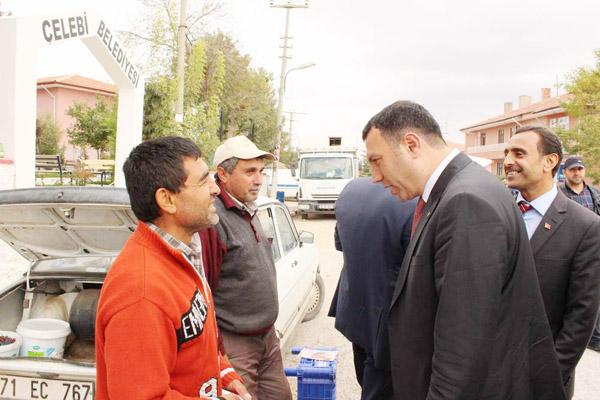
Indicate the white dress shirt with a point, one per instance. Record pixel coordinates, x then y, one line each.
436 174
540 205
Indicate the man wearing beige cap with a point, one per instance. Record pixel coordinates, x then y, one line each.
241 272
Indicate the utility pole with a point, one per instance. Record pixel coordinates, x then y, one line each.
284 57
181 60
292 120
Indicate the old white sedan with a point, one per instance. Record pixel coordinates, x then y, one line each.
71 236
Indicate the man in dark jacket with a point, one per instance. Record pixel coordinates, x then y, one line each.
241 271
564 240
467 319
373 231
588 196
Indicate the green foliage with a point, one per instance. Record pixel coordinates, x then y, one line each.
95 126
289 158
584 107
365 168
159 99
223 95
47 135
202 103
247 101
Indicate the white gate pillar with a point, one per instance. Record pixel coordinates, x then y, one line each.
18 96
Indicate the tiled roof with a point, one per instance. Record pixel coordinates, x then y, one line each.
549 104
78 81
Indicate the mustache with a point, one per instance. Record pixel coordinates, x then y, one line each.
512 169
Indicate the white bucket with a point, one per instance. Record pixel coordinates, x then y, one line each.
43 337
10 350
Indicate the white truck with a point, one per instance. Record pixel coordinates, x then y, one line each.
322 175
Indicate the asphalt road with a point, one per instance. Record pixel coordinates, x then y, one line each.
320 331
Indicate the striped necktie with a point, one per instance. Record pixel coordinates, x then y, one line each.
524 206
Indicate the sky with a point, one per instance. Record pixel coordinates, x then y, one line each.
460 59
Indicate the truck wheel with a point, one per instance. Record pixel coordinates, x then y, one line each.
317 295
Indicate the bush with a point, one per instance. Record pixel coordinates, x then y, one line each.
47 135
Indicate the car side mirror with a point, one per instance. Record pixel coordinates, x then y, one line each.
307 237
293 172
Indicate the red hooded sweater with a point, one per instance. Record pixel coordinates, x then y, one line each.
156 334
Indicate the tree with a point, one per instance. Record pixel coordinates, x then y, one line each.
159 119
95 126
584 107
248 100
47 135
223 96
156 33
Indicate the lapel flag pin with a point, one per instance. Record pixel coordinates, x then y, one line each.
547 226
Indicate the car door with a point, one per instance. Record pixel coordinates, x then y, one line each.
293 268
283 269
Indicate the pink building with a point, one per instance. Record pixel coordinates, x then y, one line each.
55 95
488 138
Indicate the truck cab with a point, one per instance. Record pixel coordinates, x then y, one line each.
322 175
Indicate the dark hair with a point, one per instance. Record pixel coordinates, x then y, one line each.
394 120
548 142
152 165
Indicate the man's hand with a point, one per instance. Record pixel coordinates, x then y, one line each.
238 387
230 396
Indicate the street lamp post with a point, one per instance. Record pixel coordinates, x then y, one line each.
280 125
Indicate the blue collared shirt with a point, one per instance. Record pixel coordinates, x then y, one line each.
534 216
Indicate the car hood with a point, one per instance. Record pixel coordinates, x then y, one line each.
64 222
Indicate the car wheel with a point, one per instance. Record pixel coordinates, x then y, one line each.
317 295
304 215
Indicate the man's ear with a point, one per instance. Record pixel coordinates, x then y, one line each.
413 142
222 174
551 160
165 201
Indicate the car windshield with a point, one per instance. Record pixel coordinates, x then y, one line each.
326 168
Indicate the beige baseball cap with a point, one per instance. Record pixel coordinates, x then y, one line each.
240 147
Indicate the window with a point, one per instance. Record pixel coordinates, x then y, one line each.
499 168
560 123
335 141
482 139
512 131
326 168
286 232
501 136
266 221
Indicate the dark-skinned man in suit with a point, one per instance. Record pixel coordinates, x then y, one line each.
564 239
373 232
467 319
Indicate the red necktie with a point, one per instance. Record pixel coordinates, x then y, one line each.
524 206
417 216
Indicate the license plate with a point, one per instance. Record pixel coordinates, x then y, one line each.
326 206
20 387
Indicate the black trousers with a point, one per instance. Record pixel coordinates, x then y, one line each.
376 383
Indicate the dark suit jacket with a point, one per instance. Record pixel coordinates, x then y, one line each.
373 231
467 319
566 248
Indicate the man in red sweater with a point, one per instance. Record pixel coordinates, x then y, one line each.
156 333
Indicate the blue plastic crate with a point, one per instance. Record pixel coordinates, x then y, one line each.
316 378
